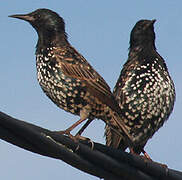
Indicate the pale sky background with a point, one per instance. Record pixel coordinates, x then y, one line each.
100 31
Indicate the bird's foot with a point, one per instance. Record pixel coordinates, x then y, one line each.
145 156
148 159
67 132
77 137
82 138
87 140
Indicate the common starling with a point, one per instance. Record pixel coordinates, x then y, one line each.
65 75
145 91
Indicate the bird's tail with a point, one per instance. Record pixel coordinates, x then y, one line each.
115 136
113 139
117 133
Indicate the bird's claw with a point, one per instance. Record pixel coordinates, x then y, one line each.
78 137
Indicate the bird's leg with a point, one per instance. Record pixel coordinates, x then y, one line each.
84 127
132 151
145 157
84 114
68 130
78 134
146 154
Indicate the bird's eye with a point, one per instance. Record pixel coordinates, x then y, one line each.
139 28
37 16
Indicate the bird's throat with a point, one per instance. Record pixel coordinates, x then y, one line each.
51 40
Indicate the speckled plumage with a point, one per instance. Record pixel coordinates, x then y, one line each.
64 80
144 90
65 75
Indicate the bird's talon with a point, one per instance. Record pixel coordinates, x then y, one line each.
92 144
82 138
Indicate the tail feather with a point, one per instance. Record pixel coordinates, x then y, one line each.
119 131
113 139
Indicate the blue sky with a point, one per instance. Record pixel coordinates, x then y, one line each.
100 31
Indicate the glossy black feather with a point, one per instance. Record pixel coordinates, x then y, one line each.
65 75
144 90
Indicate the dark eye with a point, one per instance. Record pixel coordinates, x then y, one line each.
139 28
37 16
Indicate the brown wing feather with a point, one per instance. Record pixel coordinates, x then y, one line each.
80 69
83 71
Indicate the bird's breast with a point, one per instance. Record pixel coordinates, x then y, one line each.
69 93
65 92
147 96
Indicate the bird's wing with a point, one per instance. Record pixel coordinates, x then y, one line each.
75 66
128 70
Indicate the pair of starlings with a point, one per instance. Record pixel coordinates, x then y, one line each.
143 97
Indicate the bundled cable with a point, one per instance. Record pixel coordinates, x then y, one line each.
93 158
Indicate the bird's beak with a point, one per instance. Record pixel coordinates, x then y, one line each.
25 17
153 21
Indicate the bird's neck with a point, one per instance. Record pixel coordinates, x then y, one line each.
144 44
48 40
141 49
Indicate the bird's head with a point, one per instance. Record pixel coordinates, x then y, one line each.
48 24
43 20
143 34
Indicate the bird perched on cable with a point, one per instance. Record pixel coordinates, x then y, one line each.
144 90
65 75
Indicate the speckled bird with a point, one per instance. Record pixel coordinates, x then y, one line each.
144 90
66 77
